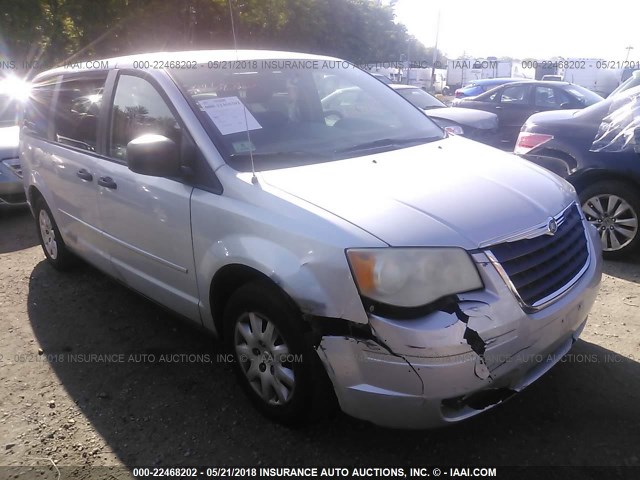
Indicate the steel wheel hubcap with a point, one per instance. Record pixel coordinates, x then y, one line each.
614 218
48 234
264 358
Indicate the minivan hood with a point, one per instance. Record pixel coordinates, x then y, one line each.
453 192
466 116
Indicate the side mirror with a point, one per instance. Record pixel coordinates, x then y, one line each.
153 155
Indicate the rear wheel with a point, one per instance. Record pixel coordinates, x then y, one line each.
275 365
614 209
52 244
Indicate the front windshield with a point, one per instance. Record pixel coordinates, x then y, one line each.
8 111
420 98
302 115
632 81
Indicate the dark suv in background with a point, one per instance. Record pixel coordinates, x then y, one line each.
598 150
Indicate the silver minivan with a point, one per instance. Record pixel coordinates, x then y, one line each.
355 253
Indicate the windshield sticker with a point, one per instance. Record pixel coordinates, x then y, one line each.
243 146
229 115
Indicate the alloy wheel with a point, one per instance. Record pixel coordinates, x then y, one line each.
614 218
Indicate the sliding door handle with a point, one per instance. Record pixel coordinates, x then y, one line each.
107 182
84 175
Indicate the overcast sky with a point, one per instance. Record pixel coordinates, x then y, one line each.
526 28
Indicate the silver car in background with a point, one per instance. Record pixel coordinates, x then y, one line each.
473 124
351 252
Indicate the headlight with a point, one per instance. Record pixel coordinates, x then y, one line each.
449 127
454 130
412 277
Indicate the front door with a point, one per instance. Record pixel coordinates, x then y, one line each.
146 219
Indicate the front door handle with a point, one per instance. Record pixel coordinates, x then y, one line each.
107 182
84 175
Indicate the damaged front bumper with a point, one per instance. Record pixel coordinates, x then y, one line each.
459 361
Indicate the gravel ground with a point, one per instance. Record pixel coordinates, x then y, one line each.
60 405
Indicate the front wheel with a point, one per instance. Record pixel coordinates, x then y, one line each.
614 209
274 364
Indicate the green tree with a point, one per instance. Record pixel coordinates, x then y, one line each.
59 31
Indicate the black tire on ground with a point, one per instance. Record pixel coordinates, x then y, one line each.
259 304
51 241
615 245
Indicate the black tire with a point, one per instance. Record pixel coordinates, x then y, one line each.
58 255
615 244
311 396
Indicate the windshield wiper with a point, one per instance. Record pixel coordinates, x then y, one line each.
388 142
289 154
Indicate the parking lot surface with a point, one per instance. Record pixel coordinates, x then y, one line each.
93 374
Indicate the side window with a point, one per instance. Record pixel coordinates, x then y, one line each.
516 95
548 97
563 98
37 110
77 111
138 109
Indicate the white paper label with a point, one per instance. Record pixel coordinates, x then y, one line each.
229 115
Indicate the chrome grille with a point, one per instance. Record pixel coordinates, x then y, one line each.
541 268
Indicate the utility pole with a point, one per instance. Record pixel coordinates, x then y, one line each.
409 59
435 56
464 59
628 49
191 22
